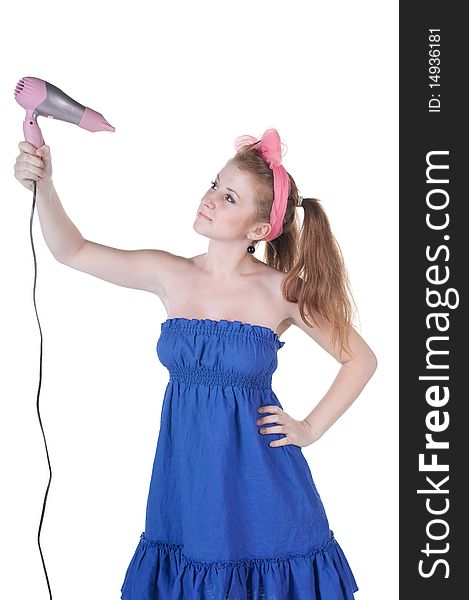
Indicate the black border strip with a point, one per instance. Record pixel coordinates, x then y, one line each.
433 257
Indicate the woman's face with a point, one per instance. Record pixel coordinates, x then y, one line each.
230 206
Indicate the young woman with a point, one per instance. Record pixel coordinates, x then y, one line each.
233 512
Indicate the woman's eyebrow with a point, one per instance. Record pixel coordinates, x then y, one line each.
218 177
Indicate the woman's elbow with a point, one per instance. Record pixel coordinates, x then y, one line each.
372 362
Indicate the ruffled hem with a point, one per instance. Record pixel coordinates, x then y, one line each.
160 571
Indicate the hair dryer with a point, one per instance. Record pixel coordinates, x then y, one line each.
42 99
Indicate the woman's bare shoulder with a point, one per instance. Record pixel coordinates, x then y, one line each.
273 280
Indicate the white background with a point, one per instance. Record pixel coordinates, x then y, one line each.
180 82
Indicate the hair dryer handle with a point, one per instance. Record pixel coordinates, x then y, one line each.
32 133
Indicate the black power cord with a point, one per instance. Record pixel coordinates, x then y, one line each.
39 390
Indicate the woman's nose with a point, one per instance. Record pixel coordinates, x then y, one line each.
209 203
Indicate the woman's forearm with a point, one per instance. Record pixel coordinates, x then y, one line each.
60 234
346 387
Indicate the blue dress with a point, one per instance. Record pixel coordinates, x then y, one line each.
229 517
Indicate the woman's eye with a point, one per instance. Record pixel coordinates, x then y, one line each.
228 195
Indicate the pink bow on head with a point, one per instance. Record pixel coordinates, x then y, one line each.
271 148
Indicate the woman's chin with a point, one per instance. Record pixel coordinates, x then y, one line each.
199 228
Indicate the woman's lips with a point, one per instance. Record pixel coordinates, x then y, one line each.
203 216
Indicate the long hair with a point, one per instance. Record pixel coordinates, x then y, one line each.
308 253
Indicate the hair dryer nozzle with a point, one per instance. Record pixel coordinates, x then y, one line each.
94 121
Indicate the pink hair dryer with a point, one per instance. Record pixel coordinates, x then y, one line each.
42 99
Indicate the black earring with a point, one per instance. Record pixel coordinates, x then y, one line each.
251 249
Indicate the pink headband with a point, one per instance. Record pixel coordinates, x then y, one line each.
271 150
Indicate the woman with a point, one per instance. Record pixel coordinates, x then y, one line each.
233 512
